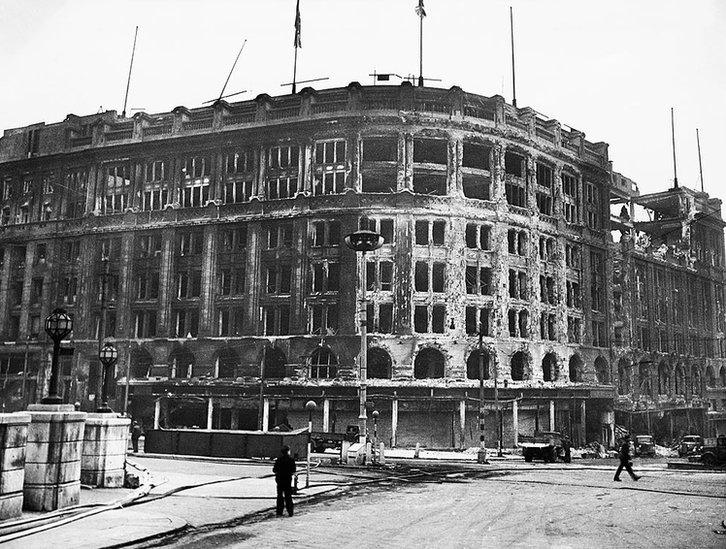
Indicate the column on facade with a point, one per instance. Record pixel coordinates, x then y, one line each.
4 286
260 168
583 423
253 272
209 277
454 176
394 421
125 285
210 412
27 286
157 412
515 421
306 177
166 280
462 423
405 155
326 415
93 203
552 415
265 414
355 180
498 193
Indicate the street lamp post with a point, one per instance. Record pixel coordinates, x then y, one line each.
482 454
58 325
108 356
310 406
363 241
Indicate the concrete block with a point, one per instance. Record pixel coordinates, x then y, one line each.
11 505
44 452
48 498
98 447
12 481
108 461
52 472
12 458
104 450
106 478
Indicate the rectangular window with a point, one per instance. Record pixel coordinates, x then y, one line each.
155 193
196 177
239 176
279 236
429 319
380 149
383 226
231 280
429 183
278 278
329 168
379 275
478 280
592 206
148 246
189 243
276 320
188 284
574 329
282 172
597 281
145 324
325 233
323 318
117 189
477 319
476 156
517 284
430 151
571 198
324 277
147 285
230 321
185 323
573 256
75 192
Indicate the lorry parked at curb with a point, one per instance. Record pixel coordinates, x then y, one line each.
714 451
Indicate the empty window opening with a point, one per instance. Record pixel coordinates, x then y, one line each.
429 364
430 151
476 156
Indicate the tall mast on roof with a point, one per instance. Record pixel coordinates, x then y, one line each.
673 140
128 80
514 78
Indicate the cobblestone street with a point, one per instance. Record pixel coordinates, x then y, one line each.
532 506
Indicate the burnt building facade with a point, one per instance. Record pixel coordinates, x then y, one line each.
206 244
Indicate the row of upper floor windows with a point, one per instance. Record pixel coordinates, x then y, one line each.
151 185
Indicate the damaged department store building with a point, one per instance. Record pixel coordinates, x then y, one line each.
210 241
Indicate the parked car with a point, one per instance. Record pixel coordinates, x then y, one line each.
690 444
714 451
644 446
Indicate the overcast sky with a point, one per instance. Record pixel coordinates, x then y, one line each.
610 68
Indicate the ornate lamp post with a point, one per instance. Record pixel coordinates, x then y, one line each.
108 356
375 415
310 406
58 325
363 241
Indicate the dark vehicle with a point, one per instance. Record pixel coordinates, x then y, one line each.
644 446
544 445
690 444
714 451
322 441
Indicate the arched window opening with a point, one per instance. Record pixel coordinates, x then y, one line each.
429 363
323 363
576 366
181 363
472 364
227 363
518 366
664 379
710 377
379 364
680 380
623 376
141 363
644 378
602 371
549 367
275 362
696 381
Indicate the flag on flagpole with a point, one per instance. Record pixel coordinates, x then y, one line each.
297 42
420 11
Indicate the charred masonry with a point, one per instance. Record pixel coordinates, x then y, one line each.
216 234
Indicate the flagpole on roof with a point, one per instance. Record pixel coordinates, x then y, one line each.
514 78
297 45
673 140
421 12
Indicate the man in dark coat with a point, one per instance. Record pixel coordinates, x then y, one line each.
625 462
136 433
284 470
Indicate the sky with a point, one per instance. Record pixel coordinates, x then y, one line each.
612 69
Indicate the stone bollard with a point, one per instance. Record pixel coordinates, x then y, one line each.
417 450
53 457
13 437
105 442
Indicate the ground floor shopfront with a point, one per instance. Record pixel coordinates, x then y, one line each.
431 417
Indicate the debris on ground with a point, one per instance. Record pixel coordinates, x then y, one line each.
664 451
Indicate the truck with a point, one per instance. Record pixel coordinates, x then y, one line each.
544 445
714 451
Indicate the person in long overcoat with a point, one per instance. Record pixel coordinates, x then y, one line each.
284 470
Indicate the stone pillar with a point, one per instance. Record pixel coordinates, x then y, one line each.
326 415
515 422
552 415
234 419
394 421
53 457
157 412
582 423
210 412
105 442
265 414
14 435
462 422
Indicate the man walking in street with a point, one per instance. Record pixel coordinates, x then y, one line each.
625 460
284 470
136 433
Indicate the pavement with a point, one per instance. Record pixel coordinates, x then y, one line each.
194 496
